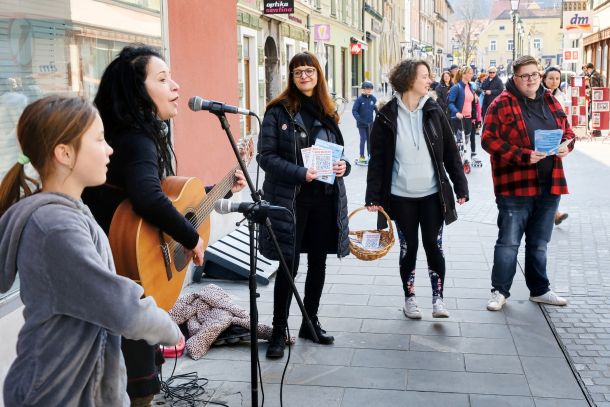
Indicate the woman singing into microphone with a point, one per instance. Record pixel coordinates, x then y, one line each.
136 97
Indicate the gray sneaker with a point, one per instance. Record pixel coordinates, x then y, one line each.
410 309
496 301
439 310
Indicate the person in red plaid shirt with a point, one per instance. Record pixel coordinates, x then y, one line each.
528 184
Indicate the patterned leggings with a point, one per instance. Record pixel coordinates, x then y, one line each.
409 214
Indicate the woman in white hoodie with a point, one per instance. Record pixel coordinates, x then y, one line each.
412 150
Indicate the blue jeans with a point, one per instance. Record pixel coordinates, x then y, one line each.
533 216
365 135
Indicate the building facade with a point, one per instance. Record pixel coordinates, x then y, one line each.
538 34
596 44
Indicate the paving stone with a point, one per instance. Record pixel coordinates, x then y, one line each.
493 364
371 397
408 360
466 382
550 377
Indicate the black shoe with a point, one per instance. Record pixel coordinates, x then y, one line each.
323 338
277 343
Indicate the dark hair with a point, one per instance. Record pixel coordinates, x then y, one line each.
590 65
549 70
124 103
43 125
291 96
448 83
403 75
523 61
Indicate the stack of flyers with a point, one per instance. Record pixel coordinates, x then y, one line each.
321 157
336 154
318 158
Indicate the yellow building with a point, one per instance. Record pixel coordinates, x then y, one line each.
537 32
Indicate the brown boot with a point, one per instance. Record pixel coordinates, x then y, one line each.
560 217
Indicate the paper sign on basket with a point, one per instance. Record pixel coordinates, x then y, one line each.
370 240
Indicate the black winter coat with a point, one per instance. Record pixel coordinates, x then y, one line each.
281 140
496 87
441 97
442 149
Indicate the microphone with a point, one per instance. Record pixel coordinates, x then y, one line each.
224 206
196 104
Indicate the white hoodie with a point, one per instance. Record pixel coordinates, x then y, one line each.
413 173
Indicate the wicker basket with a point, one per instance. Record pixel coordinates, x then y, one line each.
386 240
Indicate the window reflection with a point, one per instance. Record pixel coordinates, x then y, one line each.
45 49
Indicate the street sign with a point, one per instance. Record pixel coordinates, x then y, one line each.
279 7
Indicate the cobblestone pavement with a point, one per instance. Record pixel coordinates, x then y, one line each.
579 266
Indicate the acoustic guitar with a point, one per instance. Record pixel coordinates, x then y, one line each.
152 258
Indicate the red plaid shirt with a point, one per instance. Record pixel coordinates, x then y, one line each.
505 138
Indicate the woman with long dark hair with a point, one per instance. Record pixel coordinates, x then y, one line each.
301 114
136 97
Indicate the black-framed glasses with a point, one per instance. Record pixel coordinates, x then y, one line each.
299 73
490 72
527 77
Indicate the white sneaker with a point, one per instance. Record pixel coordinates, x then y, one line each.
411 310
439 310
550 298
496 302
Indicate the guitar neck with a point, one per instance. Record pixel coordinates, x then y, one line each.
218 192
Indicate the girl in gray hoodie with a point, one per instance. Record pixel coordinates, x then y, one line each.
76 307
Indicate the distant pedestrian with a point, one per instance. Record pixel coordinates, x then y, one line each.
527 184
364 110
411 153
462 104
596 80
442 90
453 70
551 80
491 87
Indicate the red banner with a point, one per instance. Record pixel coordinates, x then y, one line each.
578 96
356 48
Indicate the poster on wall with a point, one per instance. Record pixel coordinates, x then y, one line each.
600 108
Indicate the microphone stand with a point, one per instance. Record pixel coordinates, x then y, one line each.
257 214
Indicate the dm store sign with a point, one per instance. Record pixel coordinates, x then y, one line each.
279 7
578 21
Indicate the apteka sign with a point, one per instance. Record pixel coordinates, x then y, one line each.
279 7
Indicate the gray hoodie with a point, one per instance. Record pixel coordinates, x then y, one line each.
76 307
413 174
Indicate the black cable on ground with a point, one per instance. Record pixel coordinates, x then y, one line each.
186 389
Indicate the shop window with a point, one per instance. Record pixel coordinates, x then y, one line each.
55 55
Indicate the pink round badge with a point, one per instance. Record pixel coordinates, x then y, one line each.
284 126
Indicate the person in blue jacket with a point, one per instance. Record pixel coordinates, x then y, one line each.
363 110
461 101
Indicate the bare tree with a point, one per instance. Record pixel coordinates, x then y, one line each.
466 30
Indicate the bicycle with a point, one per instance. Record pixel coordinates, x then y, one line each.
340 103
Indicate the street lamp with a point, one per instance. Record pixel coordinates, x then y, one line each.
514 5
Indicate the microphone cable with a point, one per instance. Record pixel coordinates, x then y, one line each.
185 389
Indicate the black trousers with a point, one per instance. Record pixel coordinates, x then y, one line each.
316 226
142 362
409 214
456 124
